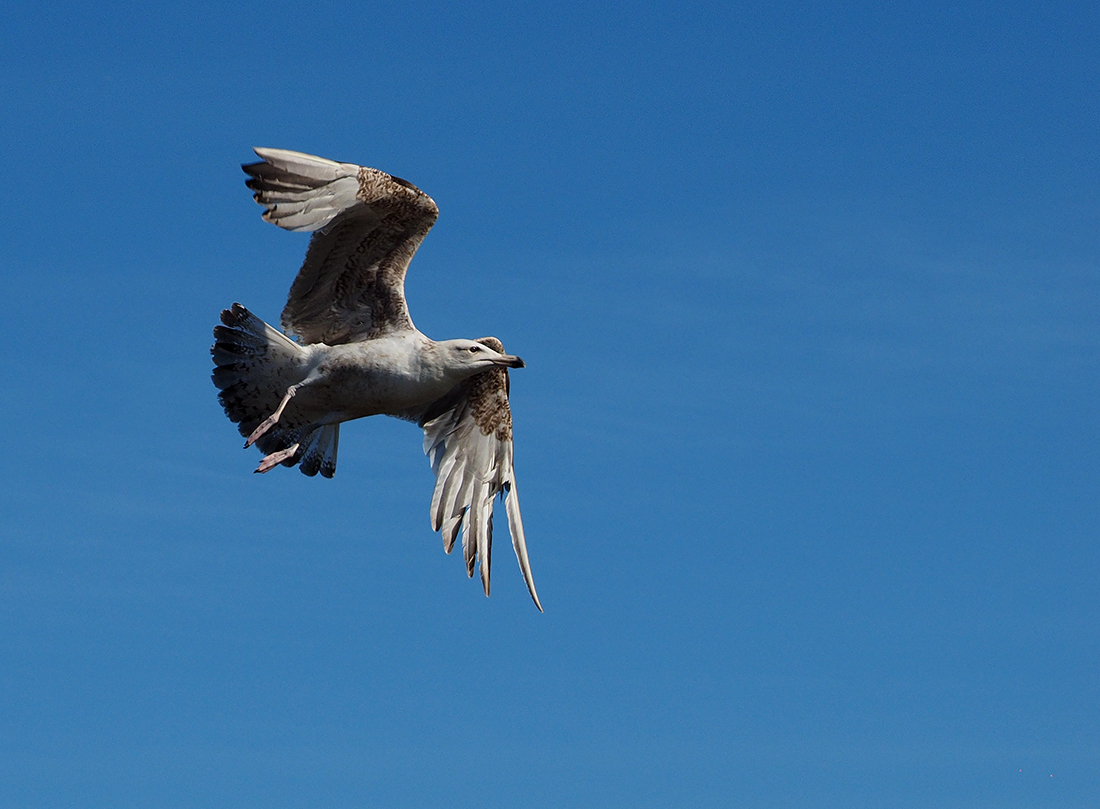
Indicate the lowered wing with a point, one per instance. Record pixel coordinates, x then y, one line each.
468 439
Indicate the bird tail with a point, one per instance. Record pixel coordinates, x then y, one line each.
255 364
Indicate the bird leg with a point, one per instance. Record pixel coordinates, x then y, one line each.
273 419
274 459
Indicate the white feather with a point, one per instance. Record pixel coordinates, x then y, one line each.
306 192
515 528
306 165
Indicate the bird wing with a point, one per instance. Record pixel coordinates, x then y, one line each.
366 228
468 439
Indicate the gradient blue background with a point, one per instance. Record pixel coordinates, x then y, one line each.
807 441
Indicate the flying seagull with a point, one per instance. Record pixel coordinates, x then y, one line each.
356 352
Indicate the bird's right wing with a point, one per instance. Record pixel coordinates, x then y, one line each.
366 227
468 439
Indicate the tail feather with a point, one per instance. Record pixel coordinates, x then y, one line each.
254 366
319 454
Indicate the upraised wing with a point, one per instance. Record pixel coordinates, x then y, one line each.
367 225
468 439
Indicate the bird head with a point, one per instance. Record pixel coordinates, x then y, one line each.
464 358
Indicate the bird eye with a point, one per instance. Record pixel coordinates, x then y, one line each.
475 349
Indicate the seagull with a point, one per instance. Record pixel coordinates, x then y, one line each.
349 349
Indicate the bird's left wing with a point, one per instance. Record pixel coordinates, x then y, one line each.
468 439
366 227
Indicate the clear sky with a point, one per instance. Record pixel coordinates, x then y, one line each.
807 439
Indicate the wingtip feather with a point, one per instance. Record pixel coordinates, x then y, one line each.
519 542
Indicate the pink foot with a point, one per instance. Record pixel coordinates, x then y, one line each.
274 459
271 420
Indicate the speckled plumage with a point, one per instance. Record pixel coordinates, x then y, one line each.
358 354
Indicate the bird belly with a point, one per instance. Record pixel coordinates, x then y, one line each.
368 379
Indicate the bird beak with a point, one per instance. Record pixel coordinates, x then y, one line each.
510 361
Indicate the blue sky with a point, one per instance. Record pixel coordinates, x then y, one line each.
807 439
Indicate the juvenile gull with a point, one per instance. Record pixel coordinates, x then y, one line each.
358 354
